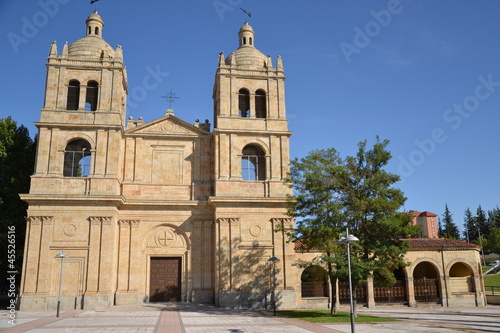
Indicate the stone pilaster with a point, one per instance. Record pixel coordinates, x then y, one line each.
123 255
135 256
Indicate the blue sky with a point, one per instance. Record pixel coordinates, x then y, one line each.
423 74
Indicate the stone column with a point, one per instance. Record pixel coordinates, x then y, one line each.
83 97
445 290
410 291
370 295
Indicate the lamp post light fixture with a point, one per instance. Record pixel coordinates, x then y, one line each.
61 255
273 261
348 240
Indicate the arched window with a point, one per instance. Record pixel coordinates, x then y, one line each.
244 103
250 39
91 98
244 41
260 104
96 31
73 95
253 163
77 159
90 31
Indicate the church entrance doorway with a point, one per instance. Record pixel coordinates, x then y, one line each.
165 279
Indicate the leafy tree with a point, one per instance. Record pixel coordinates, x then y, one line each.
17 157
316 205
331 194
450 230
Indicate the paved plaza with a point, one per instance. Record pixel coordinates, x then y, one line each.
190 318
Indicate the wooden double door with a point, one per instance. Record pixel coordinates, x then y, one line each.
165 279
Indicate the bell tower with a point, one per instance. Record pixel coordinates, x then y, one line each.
251 129
251 159
81 123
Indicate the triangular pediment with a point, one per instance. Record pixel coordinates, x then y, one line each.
168 125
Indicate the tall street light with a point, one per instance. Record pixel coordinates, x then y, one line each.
61 255
273 261
347 240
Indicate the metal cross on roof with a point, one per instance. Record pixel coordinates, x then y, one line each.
170 97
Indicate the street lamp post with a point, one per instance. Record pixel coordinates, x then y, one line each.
61 255
273 261
347 240
481 243
480 239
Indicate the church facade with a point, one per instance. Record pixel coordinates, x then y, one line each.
158 211
167 210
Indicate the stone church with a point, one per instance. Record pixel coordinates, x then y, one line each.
158 211
171 211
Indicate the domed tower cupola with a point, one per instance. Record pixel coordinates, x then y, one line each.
94 25
246 34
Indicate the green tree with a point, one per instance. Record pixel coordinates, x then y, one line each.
470 230
481 222
493 242
331 194
450 230
494 218
17 156
316 207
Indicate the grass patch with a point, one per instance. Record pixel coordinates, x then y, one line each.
492 280
324 316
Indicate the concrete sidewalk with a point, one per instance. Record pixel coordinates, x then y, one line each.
191 318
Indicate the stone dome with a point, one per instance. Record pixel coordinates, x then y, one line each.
91 46
247 55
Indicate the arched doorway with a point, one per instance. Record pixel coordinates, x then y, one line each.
426 283
314 282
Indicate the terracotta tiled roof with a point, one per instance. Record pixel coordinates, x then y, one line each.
426 213
417 244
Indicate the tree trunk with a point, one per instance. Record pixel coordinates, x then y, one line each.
333 292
